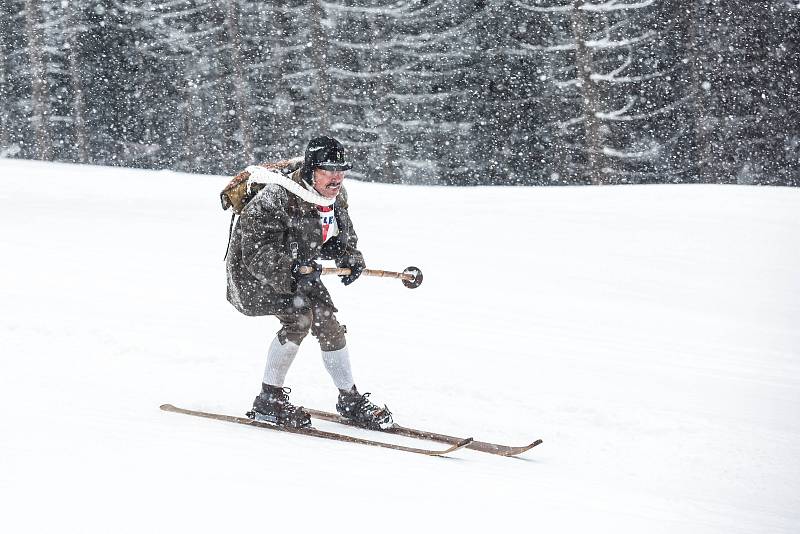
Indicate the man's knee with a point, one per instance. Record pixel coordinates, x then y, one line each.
294 337
331 336
295 328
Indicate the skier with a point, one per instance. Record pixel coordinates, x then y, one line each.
279 236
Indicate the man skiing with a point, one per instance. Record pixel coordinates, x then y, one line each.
293 221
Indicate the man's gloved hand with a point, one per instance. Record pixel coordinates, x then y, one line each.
305 282
356 266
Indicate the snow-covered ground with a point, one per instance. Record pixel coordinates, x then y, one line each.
648 334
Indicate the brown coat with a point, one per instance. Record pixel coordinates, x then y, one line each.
275 228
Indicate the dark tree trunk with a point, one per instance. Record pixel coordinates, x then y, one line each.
39 95
241 86
589 94
5 93
319 55
79 105
701 153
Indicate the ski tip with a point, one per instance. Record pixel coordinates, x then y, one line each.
167 407
514 451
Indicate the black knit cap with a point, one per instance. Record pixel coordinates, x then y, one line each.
324 153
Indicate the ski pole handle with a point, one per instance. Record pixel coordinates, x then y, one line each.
411 276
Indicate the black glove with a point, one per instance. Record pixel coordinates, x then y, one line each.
356 266
305 282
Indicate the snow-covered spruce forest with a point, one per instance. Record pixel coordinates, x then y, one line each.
420 91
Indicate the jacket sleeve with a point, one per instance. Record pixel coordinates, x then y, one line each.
263 225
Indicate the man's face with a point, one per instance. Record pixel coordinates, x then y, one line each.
328 183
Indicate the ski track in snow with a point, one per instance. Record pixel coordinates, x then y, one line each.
647 333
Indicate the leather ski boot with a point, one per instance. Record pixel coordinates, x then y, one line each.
358 409
272 406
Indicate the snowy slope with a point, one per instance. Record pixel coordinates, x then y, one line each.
647 334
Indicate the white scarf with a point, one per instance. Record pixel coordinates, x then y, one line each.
265 176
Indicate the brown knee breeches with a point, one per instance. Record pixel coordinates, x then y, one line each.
322 322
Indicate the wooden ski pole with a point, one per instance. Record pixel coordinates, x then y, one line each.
411 276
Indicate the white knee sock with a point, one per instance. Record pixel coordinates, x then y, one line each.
337 362
279 359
